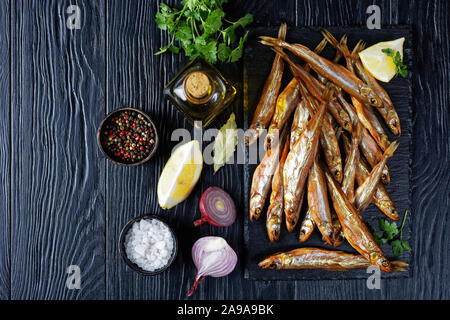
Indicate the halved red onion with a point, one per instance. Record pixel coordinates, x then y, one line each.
213 257
217 208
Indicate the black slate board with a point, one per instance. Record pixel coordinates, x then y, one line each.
257 64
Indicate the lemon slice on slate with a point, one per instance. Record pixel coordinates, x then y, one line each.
180 174
379 64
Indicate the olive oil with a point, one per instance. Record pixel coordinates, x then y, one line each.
200 92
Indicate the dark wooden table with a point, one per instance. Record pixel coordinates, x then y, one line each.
63 203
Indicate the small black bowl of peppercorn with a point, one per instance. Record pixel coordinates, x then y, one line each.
128 137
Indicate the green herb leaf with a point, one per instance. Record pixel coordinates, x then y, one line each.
244 21
390 229
392 234
400 68
236 54
406 245
184 32
379 239
389 52
163 49
161 21
229 36
165 9
210 51
397 248
189 48
223 52
174 49
214 21
189 3
198 27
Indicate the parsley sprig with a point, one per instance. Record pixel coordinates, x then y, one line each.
392 235
400 68
200 28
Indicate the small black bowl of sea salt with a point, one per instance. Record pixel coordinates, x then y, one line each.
148 245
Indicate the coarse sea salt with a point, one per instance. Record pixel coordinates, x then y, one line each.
149 244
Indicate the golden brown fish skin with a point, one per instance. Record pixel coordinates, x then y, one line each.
301 114
334 108
301 118
381 198
317 89
365 116
330 147
355 230
338 236
348 183
330 70
368 145
372 153
297 165
318 201
315 258
387 110
345 113
266 106
275 210
287 101
262 178
328 140
348 107
307 226
377 126
371 124
364 194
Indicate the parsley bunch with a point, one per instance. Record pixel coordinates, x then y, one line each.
400 68
392 235
201 30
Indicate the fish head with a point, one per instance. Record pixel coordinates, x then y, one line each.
371 96
273 262
380 261
256 206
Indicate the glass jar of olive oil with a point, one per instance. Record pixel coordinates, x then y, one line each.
200 92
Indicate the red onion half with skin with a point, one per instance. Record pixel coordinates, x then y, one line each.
213 257
217 208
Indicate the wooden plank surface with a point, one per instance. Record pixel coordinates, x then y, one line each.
57 176
431 154
136 79
5 144
68 203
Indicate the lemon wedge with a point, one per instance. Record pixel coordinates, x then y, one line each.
180 174
379 64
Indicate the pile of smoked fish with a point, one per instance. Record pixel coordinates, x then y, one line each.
324 103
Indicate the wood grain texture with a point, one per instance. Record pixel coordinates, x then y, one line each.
136 79
58 76
68 203
5 143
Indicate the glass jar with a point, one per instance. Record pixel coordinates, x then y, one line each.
200 92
